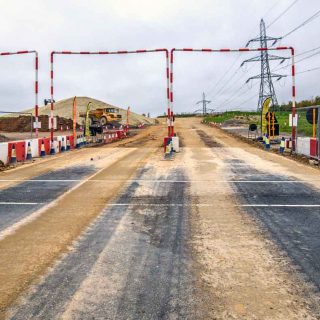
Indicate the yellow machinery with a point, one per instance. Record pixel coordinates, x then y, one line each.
102 116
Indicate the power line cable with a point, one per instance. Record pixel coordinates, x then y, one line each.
314 16
281 14
308 51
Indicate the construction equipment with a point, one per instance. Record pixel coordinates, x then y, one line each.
103 116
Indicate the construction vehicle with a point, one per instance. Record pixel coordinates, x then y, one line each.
103 116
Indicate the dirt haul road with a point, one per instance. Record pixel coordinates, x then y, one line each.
225 231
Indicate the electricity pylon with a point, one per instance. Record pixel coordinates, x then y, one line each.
204 105
266 85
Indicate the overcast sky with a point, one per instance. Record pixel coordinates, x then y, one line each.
139 80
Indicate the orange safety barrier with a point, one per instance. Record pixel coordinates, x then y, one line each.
20 147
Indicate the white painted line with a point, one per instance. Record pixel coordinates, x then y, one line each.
282 205
13 228
180 204
209 205
163 181
20 203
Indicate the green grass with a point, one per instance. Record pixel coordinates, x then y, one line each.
304 128
229 115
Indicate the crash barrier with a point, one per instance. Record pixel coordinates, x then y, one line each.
307 121
308 147
42 147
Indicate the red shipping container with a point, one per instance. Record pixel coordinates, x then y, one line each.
313 147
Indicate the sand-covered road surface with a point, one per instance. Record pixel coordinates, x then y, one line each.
223 231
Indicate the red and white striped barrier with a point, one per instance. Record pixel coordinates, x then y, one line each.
105 53
36 83
226 50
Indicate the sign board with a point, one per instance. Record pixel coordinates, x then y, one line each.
35 126
293 121
54 123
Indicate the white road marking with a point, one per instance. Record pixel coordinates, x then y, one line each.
181 204
162 181
209 205
13 228
21 203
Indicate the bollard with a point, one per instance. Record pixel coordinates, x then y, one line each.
43 150
29 153
68 144
52 151
13 159
63 148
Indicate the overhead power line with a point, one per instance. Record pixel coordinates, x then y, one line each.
282 14
308 51
313 17
298 61
305 71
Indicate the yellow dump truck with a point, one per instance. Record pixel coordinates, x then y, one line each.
103 116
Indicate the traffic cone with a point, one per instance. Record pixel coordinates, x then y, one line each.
52 151
68 144
43 150
29 153
63 148
13 159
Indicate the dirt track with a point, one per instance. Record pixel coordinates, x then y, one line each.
141 238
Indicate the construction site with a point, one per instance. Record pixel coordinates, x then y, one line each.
125 196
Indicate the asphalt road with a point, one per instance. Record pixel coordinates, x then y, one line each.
287 208
291 214
23 199
138 247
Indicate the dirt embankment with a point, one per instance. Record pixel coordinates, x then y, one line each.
23 123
